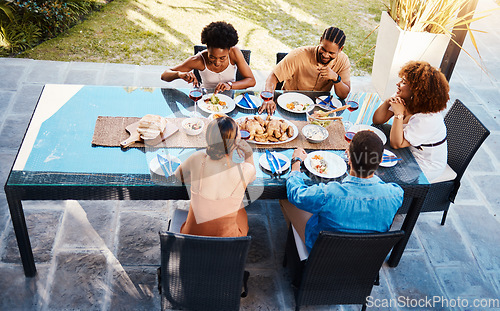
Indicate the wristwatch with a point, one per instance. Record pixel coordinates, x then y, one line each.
295 159
230 84
338 80
399 116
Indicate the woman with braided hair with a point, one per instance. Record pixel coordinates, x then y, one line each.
418 123
313 68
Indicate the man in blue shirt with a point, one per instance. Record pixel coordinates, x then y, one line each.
361 203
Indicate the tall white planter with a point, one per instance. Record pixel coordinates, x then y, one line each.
395 47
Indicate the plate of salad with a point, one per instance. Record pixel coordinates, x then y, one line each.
211 103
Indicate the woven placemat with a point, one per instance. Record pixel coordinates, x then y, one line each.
110 131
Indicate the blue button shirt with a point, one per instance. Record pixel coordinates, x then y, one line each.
358 205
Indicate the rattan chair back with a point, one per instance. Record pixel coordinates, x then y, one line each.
202 273
279 57
341 268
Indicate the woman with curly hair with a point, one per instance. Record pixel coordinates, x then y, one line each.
217 64
418 123
218 183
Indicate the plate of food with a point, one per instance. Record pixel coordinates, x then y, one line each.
363 127
255 100
155 167
325 164
211 103
216 115
268 131
336 103
280 157
295 102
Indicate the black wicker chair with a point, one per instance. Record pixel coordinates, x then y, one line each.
279 57
341 268
202 273
465 135
246 55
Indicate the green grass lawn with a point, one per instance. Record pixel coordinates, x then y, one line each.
163 32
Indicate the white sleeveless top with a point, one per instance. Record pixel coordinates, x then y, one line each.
210 79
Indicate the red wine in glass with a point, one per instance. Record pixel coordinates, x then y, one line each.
348 136
352 105
266 95
195 95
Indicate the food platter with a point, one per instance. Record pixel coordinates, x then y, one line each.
363 127
294 135
209 108
256 100
335 166
279 156
303 101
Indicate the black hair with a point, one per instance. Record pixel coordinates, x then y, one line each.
220 136
365 153
335 35
220 35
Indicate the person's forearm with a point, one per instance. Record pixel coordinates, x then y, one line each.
243 83
170 75
341 89
382 114
271 82
396 136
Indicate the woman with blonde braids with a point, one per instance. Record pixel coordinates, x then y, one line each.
418 123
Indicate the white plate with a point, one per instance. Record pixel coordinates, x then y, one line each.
287 98
335 101
154 165
295 132
265 164
336 167
256 100
391 163
362 127
230 105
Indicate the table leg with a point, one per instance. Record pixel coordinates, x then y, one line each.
408 225
21 231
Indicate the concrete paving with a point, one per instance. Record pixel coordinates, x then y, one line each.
103 255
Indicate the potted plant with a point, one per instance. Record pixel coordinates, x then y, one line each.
415 30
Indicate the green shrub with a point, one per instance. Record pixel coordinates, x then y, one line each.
33 21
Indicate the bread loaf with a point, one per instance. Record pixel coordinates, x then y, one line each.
150 126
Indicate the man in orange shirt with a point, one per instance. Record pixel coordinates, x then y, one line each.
313 68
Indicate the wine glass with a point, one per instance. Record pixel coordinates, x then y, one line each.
348 137
352 102
196 94
266 95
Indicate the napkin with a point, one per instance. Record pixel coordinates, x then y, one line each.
278 163
246 101
166 165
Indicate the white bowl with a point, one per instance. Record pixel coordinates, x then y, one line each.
314 133
193 126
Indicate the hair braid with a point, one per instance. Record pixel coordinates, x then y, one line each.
334 35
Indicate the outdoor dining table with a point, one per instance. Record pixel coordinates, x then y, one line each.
57 160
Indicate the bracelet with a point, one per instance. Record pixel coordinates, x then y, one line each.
338 79
295 159
230 84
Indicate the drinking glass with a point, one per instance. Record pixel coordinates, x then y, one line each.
266 95
352 102
196 94
348 137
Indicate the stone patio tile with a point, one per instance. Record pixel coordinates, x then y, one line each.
19 292
13 131
413 278
493 144
458 90
79 282
82 76
138 238
4 214
443 244
12 75
485 116
466 192
144 205
279 231
135 288
482 230
46 72
381 292
26 100
5 165
42 227
488 184
465 280
5 99
89 225
480 163
86 66
119 75
260 254
151 76
413 243
263 291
